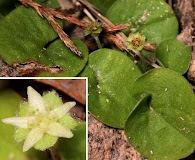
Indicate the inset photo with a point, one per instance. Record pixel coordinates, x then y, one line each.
43 119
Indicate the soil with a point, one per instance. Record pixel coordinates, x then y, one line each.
106 143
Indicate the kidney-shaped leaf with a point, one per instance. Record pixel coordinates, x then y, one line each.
154 18
111 76
162 127
24 36
60 55
174 54
102 5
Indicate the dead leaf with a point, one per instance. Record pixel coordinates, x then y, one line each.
30 67
75 88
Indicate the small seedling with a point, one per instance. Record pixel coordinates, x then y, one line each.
94 29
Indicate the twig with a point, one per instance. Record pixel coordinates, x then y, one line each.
105 21
85 25
112 31
47 13
106 29
50 13
170 3
89 15
118 42
29 67
119 38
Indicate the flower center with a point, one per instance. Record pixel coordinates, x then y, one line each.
42 120
136 42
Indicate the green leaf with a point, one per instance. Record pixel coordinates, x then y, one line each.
102 5
154 18
60 55
75 147
111 76
162 127
49 3
87 32
174 55
10 101
27 38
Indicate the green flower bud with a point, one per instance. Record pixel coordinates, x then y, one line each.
135 41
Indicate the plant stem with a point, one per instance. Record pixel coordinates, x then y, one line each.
54 153
160 63
97 40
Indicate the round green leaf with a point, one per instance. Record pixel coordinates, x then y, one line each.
111 76
162 127
49 3
102 5
154 18
27 39
59 54
174 55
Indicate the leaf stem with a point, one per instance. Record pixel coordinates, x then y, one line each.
54 153
160 63
97 40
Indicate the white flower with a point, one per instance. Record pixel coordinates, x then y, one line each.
41 118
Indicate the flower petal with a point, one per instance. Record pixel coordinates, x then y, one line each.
35 99
56 129
60 111
33 137
21 122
